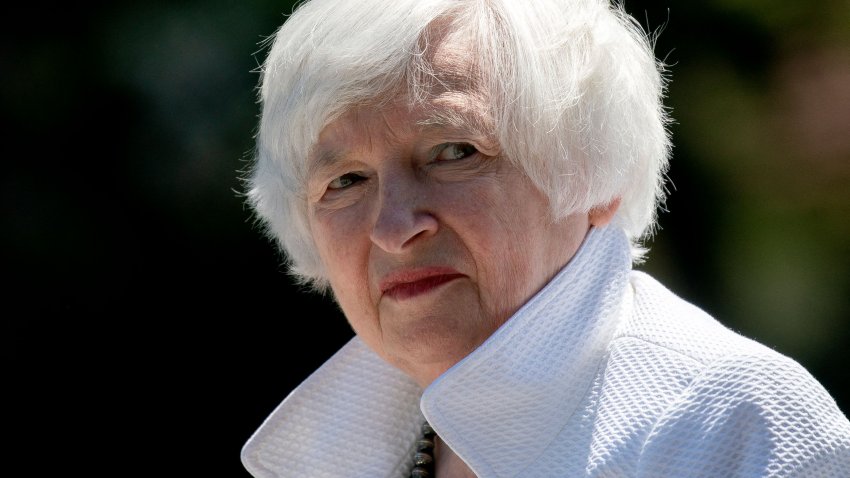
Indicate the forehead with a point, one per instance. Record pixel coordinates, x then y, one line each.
443 92
451 59
450 116
447 96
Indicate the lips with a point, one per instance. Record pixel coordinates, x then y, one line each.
407 284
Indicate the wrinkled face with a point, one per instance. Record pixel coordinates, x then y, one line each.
430 237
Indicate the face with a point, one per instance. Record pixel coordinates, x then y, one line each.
430 237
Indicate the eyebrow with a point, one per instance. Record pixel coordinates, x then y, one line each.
322 160
437 120
458 119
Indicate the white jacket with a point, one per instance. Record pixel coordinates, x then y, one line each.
603 373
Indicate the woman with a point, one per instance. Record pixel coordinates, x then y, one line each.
472 181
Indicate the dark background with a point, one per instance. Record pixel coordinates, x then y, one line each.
148 324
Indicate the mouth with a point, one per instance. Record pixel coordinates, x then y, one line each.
408 284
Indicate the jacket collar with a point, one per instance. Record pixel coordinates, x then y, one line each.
498 408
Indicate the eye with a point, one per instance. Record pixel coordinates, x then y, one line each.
454 151
346 180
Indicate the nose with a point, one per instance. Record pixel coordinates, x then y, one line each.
404 214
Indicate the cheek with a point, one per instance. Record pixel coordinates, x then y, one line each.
506 272
344 249
336 233
495 229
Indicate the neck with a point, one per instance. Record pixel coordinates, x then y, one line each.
447 464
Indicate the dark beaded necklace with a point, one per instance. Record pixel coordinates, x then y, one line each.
423 459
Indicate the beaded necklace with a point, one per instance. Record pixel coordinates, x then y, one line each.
423 459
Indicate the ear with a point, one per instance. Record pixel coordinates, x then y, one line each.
601 215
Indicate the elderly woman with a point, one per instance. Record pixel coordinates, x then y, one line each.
472 180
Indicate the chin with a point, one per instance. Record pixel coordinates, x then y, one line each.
428 350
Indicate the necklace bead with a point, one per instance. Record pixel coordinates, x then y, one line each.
423 459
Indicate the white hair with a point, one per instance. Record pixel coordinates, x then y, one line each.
575 93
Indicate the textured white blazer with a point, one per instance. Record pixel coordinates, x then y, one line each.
603 373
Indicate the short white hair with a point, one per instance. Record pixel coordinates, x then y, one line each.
575 91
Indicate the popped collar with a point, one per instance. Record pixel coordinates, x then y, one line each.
604 372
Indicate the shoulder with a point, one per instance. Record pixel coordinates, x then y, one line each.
743 408
750 415
660 317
